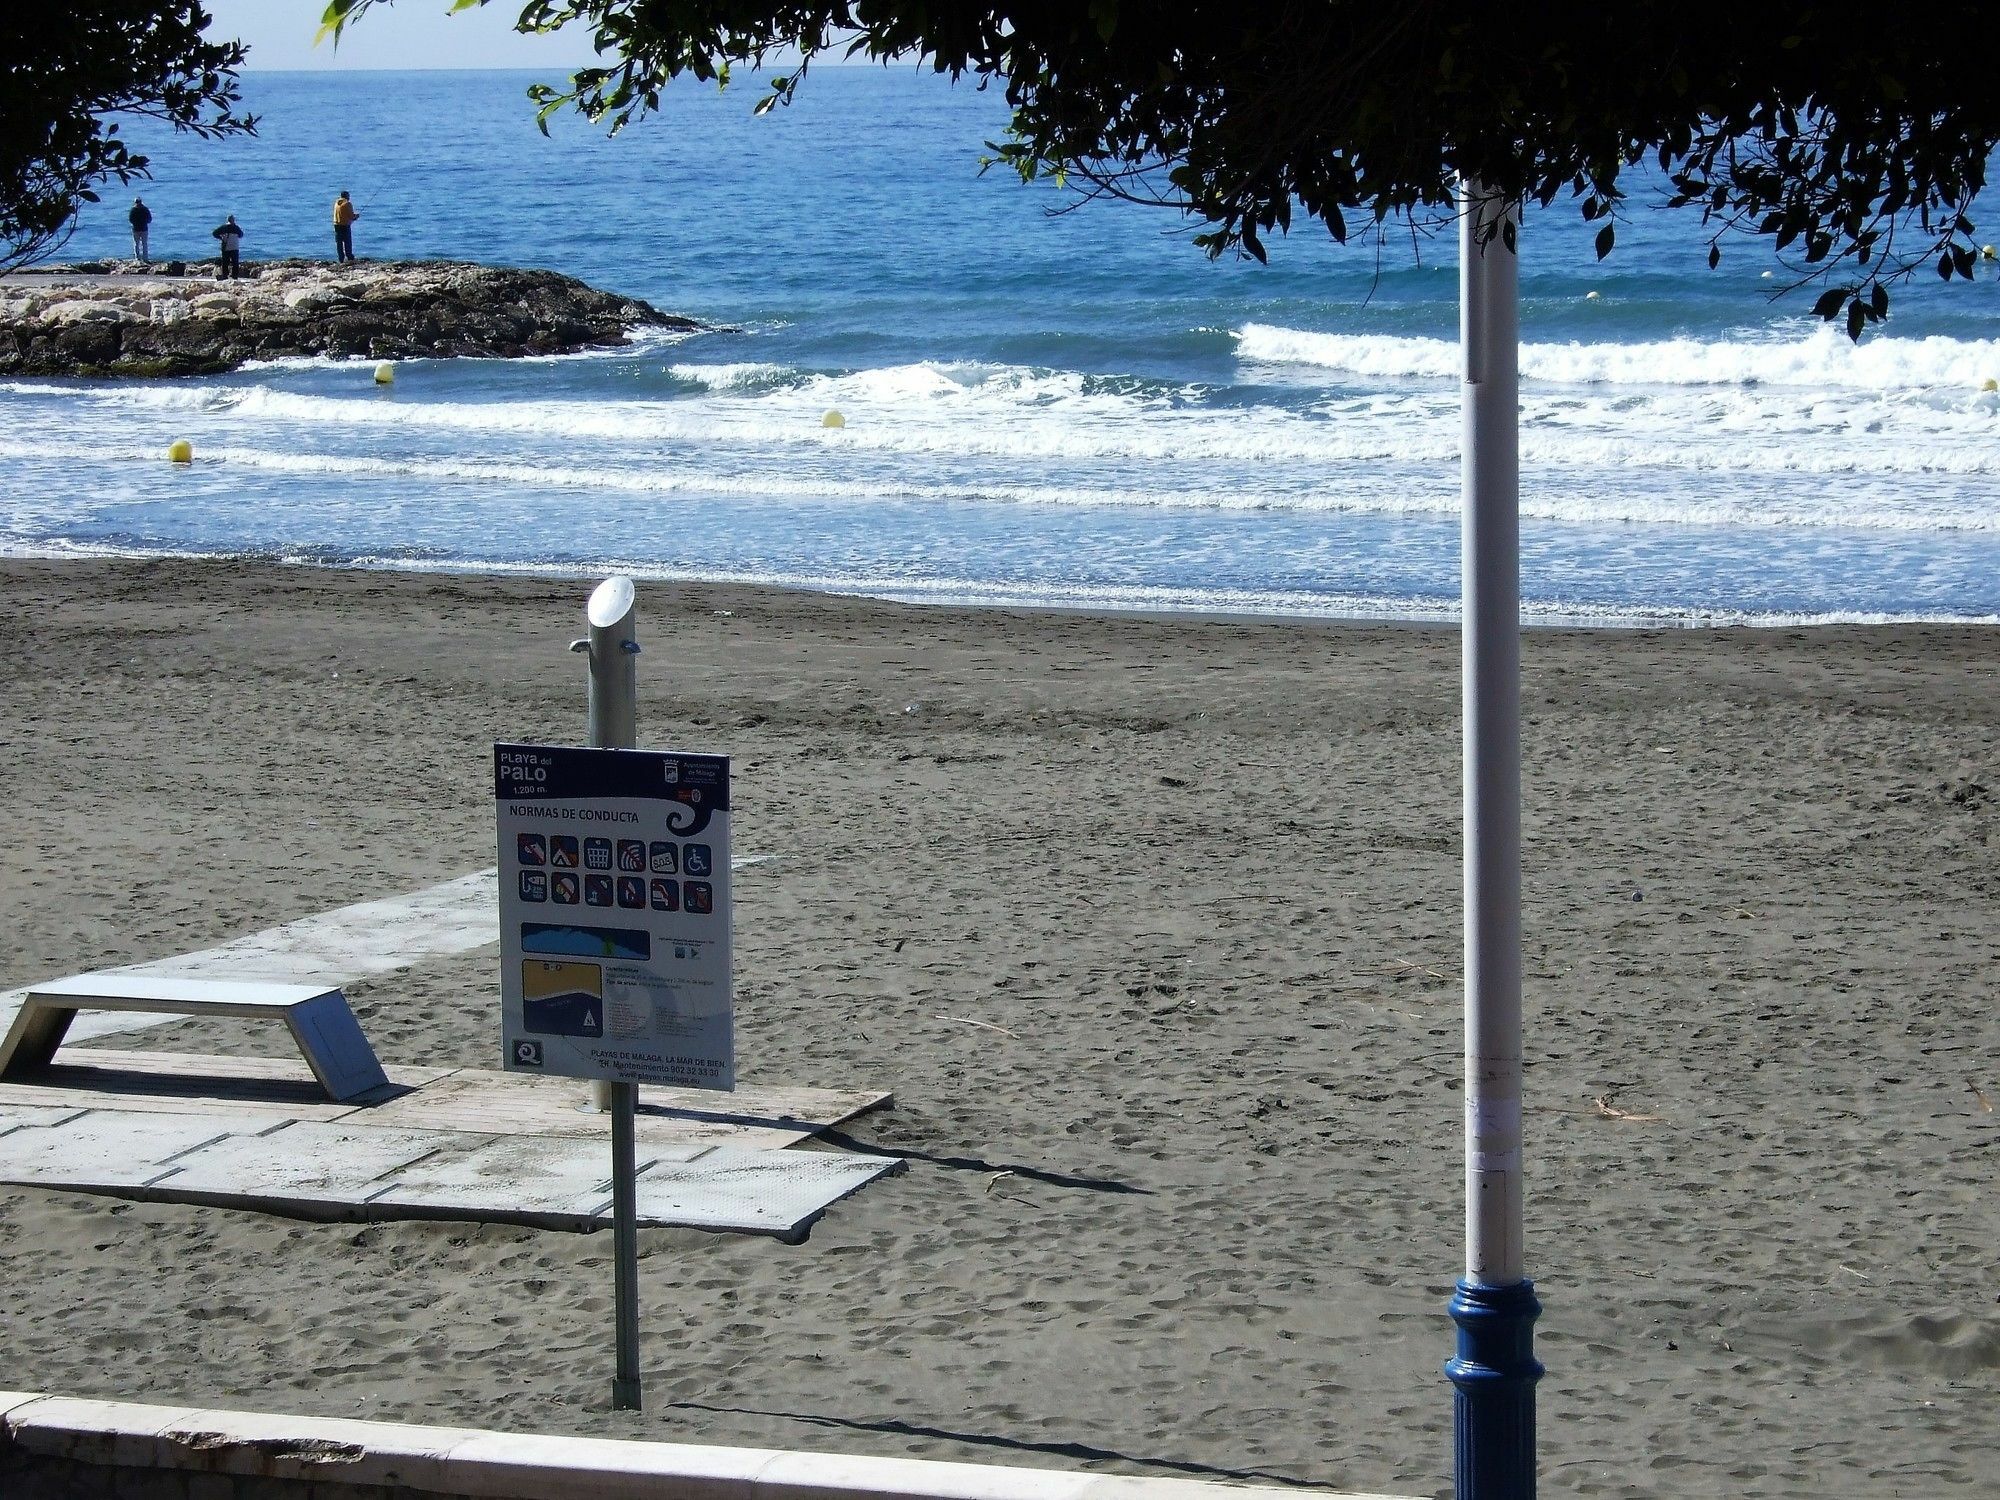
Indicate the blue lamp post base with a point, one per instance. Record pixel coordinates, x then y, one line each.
1495 1372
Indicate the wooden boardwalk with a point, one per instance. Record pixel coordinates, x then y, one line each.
461 1143
464 1143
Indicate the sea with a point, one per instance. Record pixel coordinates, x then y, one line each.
1047 401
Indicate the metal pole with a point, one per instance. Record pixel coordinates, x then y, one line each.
1494 1371
613 644
625 1245
613 649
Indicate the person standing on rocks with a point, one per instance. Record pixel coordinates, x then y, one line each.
229 234
344 215
142 221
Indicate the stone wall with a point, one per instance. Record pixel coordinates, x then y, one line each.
25 1476
58 1448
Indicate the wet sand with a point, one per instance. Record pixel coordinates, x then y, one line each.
1187 1200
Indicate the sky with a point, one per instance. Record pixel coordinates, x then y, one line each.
406 34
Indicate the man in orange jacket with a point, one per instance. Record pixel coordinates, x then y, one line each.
344 215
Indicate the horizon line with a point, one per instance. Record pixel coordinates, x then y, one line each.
528 67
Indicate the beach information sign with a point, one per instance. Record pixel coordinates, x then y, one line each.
614 915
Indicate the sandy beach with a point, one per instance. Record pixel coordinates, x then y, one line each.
1186 1199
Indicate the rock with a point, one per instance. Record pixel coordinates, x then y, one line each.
63 314
153 321
86 344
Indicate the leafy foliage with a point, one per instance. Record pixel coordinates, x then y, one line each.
1854 140
66 72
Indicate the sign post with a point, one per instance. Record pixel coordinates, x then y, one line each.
612 647
615 945
612 650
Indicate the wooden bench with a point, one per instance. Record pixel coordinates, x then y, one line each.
320 1021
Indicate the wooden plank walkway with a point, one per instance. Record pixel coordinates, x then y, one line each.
358 1171
475 1100
463 1143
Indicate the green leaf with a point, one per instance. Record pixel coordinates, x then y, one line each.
333 20
1604 238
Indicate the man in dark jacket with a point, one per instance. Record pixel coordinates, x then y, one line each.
230 235
142 220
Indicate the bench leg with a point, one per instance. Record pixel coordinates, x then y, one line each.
32 1040
331 1039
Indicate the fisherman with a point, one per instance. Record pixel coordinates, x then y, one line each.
344 215
229 234
142 221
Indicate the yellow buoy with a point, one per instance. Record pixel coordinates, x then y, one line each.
1990 384
385 373
833 419
1767 276
1590 296
180 451
1989 252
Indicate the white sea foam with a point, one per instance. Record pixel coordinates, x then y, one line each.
1025 417
1149 599
1820 358
289 362
737 377
1382 489
430 470
34 388
639 344
905 409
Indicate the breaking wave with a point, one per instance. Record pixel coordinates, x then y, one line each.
1821 358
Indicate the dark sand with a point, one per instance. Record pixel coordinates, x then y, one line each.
1200 1212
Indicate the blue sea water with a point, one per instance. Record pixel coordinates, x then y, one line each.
1045 403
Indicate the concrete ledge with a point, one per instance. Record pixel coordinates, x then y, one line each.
119 1448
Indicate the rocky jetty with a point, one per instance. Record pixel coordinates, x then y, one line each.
122 318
